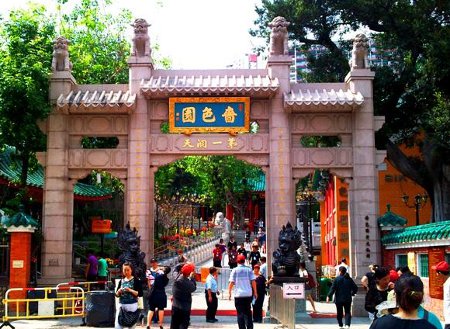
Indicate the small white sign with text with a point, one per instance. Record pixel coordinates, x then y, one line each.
293 290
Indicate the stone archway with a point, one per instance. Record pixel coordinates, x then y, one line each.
135 112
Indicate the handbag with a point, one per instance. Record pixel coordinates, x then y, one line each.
140 303
128 319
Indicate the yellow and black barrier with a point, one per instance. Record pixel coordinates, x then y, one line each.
43 303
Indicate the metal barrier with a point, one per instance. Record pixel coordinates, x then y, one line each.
223 280
54 303
283 310
86 285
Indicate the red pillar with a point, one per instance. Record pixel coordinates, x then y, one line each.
229 212
20 263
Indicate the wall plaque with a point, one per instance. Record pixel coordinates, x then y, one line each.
209 114
17 263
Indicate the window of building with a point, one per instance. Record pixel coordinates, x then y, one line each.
401 260
422 268
447 258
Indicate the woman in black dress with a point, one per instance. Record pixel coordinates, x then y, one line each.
261 290
157 298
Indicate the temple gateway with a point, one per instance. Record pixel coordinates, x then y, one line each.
285 111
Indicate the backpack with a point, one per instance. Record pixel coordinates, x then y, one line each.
311 282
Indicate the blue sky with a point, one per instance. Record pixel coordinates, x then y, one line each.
195 34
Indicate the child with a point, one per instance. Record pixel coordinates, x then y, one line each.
232 257
217 256
255 255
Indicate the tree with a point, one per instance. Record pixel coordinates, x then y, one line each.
99 51
26 44
413 92
216 180
99 46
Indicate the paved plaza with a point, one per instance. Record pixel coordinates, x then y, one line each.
225 321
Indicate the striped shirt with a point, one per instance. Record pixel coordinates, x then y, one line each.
242 277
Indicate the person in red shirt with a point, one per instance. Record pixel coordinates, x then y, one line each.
217 256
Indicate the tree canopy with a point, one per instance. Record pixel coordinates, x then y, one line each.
26 40
412 92
215 180
98 50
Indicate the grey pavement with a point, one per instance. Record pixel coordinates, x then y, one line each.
307 322
199 303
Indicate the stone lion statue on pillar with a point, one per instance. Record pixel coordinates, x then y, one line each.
360 51
279 36
60 61
141 40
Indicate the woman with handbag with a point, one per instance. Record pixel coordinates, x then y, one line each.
128 291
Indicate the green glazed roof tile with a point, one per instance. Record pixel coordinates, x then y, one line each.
258 184
20 219
427 232
10 170
391 219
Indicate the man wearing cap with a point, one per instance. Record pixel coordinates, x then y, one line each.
242 279
182 290
443 269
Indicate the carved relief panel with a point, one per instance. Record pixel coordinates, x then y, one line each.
318 124
98 159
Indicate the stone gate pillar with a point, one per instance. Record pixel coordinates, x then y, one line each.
280 186
363 185
58 189
363 195
138 196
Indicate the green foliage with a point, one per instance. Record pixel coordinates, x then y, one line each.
26 44
439 119
411 90
99 142
320 141
216 180
99 48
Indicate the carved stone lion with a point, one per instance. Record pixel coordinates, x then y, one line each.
286 259
60 61
360 52
141 40
279 36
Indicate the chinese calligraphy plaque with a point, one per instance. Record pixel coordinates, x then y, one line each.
209 114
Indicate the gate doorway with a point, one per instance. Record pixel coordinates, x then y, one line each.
284 111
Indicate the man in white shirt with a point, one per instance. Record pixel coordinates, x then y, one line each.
344 264
443 269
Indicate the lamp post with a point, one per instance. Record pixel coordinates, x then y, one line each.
306 198
419 202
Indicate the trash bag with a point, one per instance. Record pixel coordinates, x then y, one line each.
100 308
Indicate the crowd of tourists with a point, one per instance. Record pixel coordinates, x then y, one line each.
393 297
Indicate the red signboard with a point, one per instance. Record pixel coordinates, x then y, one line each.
101 226
436 255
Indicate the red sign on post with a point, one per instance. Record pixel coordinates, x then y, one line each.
101 226
436 255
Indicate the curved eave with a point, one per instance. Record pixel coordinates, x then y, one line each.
323 100
175 86
418 244
95 102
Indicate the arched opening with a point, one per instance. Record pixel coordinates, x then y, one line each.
322 208
190 191
97 217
